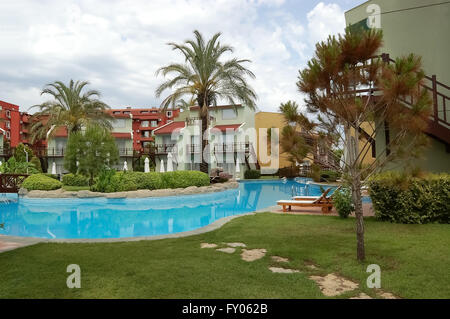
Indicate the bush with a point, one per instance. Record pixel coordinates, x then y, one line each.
289 172
110 181
54 176
41 182
103 181
342 200
315 173
252 174
402 198
75 180
182 179
329 175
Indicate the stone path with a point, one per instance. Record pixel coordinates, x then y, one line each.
331 285
253 254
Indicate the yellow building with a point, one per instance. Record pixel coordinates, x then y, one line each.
264 121
366 140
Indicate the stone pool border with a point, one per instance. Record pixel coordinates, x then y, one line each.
142 193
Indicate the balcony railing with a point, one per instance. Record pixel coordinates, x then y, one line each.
50 152
5 152
193 148
126 152
165 148
232 147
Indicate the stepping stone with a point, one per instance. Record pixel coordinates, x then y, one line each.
279 259
227 250
282 270
312 267
253 254
386 295
362 296
333 285
236 245
206 245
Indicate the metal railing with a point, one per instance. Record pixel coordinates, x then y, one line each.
164 148
232 147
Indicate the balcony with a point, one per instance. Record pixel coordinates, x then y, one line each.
161 149
192 120
50 152
240 147
193 148
5 152
126 152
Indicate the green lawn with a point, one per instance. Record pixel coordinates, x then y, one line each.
414 261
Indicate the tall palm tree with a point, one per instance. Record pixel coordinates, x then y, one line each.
205 79
70 107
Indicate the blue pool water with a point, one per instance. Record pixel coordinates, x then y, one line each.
118 218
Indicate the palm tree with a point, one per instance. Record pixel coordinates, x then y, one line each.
71 108
205 79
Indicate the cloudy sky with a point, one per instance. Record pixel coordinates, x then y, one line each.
118 45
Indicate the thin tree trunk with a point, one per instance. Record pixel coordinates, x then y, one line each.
356 194
204 166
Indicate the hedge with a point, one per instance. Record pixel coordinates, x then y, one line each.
252 174
129 181
41 182
399 198
182 179
75 180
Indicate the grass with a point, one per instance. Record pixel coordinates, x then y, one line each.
414 261
76 188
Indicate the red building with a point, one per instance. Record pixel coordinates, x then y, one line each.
144 122
16 124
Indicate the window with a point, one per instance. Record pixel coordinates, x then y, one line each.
146 134
126 112
169 114
8 124
116 112
8 114
144 123
118 123
154 123
144 112
8 135
229 114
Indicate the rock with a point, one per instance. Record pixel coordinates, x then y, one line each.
22 191
236 245
333 285
227 250
279 259
283 270
89 194
386 295
253 254
206 245
117 195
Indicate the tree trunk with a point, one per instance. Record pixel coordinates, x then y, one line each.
204 166
356 194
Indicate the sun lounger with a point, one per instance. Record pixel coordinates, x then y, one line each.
320 201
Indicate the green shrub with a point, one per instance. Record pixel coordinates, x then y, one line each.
401 198
54 176
41 182
329 175
342 200
110 181
37 163
103 181
75 180
252 174
315 172
182 179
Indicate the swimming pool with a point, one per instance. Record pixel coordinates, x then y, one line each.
118 218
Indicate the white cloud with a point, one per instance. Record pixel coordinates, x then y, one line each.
118 45
323 20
